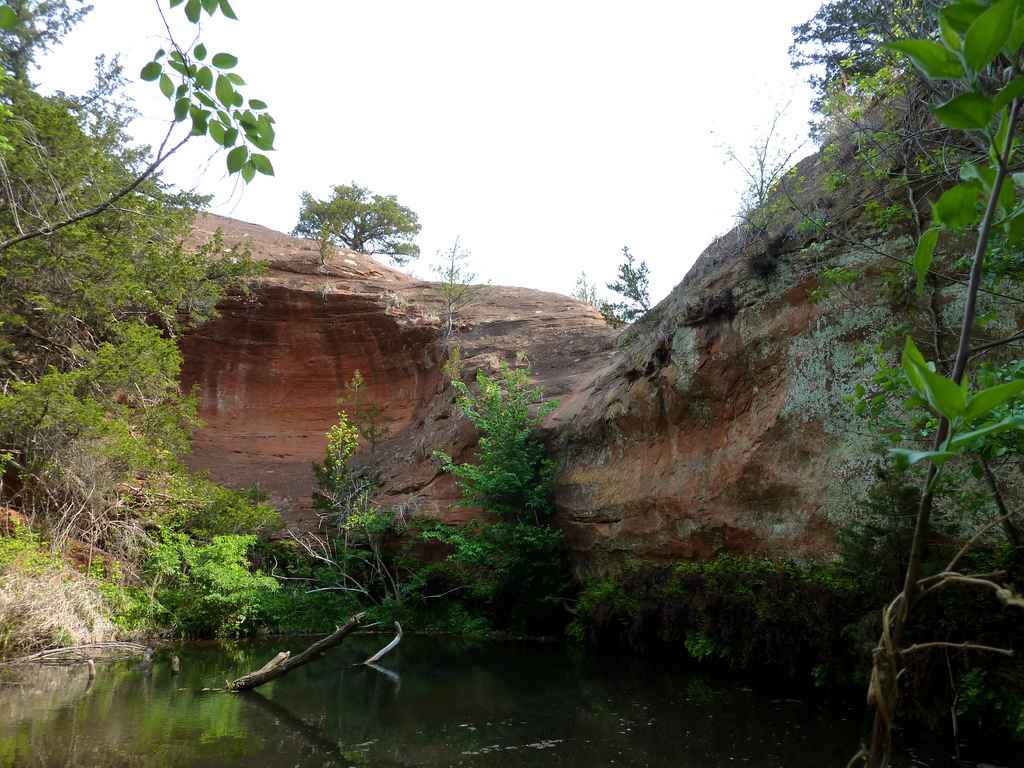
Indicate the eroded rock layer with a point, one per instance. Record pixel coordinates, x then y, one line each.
269 371
718 422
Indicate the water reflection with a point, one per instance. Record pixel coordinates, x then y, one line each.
430 703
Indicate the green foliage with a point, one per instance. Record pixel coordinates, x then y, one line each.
29 28
355 218
632 284
204 590
204 509
586 291
366 415
773 618
210 96
517 573
512 476
841 42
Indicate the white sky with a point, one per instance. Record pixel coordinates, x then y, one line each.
546 134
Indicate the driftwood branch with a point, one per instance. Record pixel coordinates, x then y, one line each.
957 647
283 662
82 654
387 648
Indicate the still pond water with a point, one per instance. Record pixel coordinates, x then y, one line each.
438 703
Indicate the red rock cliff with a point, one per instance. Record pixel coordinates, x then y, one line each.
716 423
269 371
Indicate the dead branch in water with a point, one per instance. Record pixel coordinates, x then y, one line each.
387 648
284 662
81 654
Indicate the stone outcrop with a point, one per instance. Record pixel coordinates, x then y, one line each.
716 423
269 371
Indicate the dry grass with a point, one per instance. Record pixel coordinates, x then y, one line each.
41 607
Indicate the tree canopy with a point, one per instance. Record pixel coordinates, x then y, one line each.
356 218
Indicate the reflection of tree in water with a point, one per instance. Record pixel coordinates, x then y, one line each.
484 706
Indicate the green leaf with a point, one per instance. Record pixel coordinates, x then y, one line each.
987 34
200 52
943 395
912 362
1015 229
217 133
204 78
989 399
907 458
230 137
227 10
176 3
986 176
151 71
924 256
200 121
257 104
1012 90
248 172
950 35
224 60
237 158
960 16
934 60
181 109
1010 422
1015 40
225 91
210 6
193 9
968 111
958 206
166 86
8 18
262 164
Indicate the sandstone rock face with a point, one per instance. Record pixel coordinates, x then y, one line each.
269 371
716 423
724 422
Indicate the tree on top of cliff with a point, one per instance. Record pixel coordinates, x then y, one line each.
632 285
456 284
355 218
841 42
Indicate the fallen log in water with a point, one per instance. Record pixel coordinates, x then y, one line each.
81 654
284 662
380 654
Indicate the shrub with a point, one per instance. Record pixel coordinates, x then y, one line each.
203 590
515 572
512 476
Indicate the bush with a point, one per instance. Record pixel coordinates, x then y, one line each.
755 616
512 476
516 573
203 590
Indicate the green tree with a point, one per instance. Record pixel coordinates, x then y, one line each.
512 476
978 49
842 42
455 284
207 101
632 285
355 218
34 27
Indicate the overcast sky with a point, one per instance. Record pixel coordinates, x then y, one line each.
547 134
